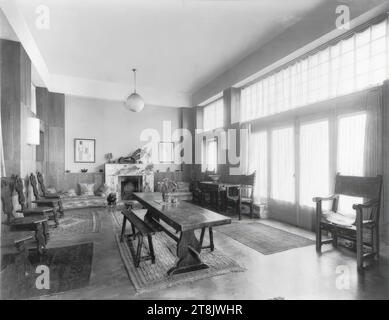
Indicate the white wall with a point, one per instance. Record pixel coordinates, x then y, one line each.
115 129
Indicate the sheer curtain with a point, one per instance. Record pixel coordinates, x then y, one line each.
350 65
211 155
258 163
282 169
351 147
314 161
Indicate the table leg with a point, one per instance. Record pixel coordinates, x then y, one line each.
188 252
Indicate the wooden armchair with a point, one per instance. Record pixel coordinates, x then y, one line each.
244 194
37 224
54 202
42 211
196 192
363 226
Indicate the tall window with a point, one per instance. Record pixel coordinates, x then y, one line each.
211 154
351 64
213 115
351 146
258 163
282 168
314 161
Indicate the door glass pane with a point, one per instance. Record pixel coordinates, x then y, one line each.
282 172
351 145
314 162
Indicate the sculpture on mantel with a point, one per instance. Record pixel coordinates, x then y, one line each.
136 157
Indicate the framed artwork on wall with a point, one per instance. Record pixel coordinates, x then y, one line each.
85 150
166 151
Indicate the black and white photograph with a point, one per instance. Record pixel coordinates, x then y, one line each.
193 156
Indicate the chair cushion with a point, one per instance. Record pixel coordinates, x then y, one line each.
338 218
87 189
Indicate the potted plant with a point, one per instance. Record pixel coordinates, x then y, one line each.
166 187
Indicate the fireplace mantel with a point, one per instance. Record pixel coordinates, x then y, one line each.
115 170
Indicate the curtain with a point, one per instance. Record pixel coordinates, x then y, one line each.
351 146
373 133
314 161
245 136
282 169
258 163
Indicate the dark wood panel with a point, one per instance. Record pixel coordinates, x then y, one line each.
10 105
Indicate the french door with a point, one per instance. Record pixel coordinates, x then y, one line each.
282 195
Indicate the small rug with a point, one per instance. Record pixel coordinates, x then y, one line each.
150 277
67 268
263 238
78 222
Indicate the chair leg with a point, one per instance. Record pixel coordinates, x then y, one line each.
211 239
334 239
238 210
377 240
359 242
60 208
123 229
252 210
138 250
318 238
151 248
55 216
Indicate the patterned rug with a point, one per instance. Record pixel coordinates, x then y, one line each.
79 222
150 277
67 268
263 238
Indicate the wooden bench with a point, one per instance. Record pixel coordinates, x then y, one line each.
140 230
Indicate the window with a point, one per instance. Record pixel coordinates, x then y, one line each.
211 155
213 115
282 168
258 163
351 146
351 64
166 152
314 161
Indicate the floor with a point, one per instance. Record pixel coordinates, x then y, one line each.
294 274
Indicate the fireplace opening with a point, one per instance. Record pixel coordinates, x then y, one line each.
129 185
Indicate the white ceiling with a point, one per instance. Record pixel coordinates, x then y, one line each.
176 45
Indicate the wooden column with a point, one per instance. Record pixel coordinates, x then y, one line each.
16 108
51 111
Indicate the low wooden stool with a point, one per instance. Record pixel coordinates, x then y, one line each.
140 229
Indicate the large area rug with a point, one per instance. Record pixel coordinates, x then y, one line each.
68 268
150 277
263 238
79 221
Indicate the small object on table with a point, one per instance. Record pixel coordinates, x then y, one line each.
111 201
84 170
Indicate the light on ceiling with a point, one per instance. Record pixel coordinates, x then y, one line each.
134 101
33 131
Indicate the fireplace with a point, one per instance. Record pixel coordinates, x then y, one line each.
129 185
124 179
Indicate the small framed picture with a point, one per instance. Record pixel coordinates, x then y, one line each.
166 152
84 150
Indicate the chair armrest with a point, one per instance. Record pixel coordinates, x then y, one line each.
332 197
368 204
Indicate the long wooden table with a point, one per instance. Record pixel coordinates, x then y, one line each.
183 217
